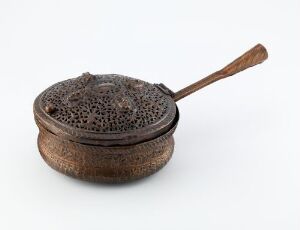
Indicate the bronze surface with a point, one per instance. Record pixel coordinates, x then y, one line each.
105 110
130 134
252 57
106 164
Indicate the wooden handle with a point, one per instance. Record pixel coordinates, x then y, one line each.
252 57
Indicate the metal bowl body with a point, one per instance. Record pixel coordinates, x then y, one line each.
106 164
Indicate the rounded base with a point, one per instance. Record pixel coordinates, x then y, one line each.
105 164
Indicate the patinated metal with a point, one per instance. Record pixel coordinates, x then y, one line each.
105 110
113 128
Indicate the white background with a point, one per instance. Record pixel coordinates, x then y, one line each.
237 161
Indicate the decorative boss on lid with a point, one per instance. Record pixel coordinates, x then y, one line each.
112 128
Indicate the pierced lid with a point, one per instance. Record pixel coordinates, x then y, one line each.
105 109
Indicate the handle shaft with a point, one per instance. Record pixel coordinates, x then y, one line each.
252 57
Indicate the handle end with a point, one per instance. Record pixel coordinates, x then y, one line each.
263 51
252 57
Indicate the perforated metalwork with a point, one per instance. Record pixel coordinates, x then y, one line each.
106 103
